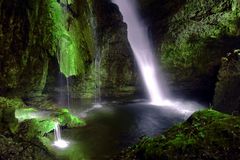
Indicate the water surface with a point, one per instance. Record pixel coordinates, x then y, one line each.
114 127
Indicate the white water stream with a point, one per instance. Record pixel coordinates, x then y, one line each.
59 142
143 52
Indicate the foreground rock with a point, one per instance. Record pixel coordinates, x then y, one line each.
206 135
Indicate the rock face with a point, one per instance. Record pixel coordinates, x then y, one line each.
191 37
24 47
118 72
227 97
12 149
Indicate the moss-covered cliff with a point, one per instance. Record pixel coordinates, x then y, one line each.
33 31
43 42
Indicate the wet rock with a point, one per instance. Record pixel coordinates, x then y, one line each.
8 121
24 57
227 97
34 128
65 118
118 71
12 149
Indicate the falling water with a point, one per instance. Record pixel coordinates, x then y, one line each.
68 93
60 61
97 80
97 65
143 52
59 142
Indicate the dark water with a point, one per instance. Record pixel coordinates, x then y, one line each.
113 127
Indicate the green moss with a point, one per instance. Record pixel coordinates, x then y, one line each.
25 113
189 40
15 102
69 35
206 134
8 121
67 53
33 128
65 118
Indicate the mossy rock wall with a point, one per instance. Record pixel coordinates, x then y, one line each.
45 42
41 39
190 37
23 47
118 71
74 47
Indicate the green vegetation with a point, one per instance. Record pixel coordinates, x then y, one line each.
69 59
207 134
65 118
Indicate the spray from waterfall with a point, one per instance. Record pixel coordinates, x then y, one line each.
97 80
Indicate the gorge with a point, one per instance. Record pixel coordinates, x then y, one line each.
120 79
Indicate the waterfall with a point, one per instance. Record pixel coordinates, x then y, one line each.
97 80
143 52
59 142
97 65
60 61
68 93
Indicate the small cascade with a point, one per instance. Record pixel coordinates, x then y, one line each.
68 93
97 99
97 66
97 103
60 61
59 142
